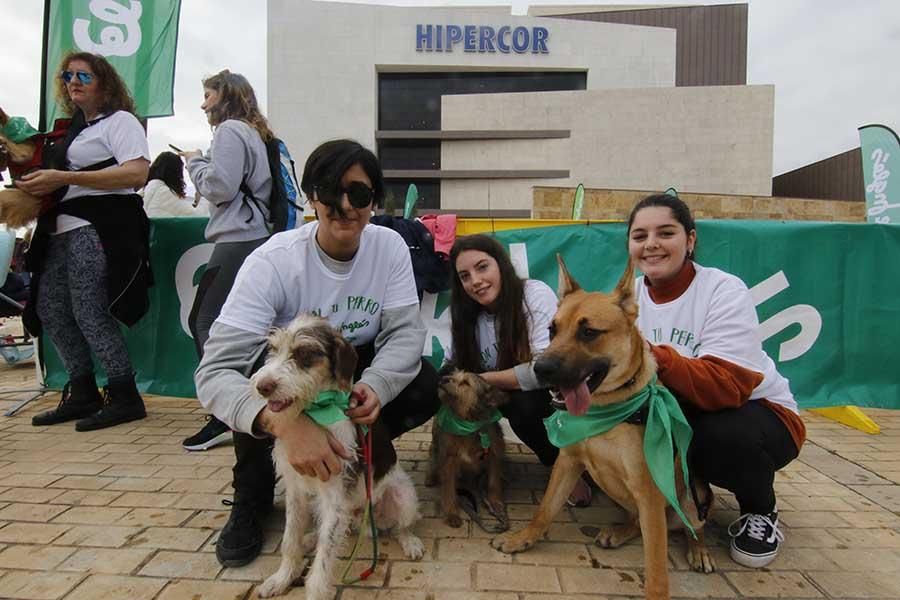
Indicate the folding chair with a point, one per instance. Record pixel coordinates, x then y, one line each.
12 344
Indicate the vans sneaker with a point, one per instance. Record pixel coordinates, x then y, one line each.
755 539
215 432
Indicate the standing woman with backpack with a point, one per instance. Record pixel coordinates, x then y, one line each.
238 222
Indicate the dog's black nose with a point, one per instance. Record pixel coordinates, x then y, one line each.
546 367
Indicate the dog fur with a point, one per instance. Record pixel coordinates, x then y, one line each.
594 339
455 458
17 208
304 358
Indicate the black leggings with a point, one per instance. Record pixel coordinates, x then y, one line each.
526 412
215 283
254 471
740 449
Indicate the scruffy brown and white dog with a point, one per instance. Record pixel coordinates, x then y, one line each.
305 358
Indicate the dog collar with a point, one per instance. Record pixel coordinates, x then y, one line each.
665 424
447 421
328 407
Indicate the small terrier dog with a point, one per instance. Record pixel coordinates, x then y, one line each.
305 358
462 461
17 207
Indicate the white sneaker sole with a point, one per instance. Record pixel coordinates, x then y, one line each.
752 561
223 437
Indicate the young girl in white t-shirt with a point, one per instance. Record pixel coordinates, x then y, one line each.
499 324
702 328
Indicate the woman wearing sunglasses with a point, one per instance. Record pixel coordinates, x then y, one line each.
237 225
89 254
356 275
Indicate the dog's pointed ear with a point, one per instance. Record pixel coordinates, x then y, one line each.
567 283
343 362
625 291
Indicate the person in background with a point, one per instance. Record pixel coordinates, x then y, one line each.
89 255
499 324
164 192
744 417
237 226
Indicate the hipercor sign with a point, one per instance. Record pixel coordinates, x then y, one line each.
482 38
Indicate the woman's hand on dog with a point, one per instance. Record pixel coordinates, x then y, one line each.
310 449
365 406
42 181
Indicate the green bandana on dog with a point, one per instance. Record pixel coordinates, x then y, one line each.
665 423
328 407
447 420
18 130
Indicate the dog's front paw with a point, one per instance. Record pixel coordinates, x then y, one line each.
275 585
413 548
699 558
453 520
510 543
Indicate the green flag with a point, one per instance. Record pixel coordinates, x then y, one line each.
881 173
578 204
412 196
138 37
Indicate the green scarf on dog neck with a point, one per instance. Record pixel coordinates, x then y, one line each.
665 422
447 421
328 407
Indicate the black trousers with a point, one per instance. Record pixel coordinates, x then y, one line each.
526 412
254 470
740 449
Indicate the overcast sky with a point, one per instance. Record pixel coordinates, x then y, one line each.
834 64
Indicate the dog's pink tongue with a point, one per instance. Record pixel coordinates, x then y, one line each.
578 399
276 405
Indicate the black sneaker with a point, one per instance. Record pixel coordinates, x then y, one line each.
755 540
215 432
241 539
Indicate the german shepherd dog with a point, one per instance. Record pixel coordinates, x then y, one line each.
597 356
462 460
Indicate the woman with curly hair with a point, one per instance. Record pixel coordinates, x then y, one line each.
90 253
236 161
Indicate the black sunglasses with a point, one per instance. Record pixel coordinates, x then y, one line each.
359 194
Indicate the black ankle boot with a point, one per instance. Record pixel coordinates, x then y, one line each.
122 403
241 540
80 398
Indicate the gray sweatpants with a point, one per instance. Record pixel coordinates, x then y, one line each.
72 305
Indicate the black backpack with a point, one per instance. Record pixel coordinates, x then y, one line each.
285 202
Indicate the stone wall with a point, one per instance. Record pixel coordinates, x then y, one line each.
556 203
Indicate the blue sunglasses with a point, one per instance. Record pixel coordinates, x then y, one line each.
83 76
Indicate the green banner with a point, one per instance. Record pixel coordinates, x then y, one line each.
138 37
827 316
881 157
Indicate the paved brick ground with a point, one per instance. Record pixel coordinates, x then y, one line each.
126 513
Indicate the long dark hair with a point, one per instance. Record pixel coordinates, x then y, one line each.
513 344
114 93
680 211
168 168
237 100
